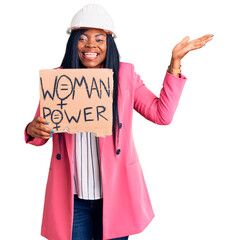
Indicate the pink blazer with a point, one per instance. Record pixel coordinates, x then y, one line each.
127 208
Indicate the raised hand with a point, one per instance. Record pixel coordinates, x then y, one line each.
185 46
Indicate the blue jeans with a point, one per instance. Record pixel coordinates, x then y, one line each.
87 221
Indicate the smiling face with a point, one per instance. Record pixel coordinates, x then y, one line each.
92 48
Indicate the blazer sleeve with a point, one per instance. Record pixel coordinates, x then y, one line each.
159 110
31 140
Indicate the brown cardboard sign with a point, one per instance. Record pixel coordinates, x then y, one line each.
77 100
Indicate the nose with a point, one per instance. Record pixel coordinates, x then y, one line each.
90 43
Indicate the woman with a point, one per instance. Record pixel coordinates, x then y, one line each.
117 204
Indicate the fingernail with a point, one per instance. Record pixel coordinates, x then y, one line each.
47 123
52 131
212 35
50 136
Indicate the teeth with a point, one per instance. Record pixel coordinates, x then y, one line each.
90 54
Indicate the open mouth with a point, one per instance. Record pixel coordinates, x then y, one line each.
90 55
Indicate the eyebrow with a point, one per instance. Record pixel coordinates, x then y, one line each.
95 35
100 35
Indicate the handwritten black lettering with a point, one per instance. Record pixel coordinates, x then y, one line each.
72 117
94 88
87 113
99 112
83 79
45 93
64 93
56 118
107 89
44 112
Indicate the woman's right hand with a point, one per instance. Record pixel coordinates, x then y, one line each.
38 128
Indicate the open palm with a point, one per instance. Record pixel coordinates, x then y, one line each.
185 46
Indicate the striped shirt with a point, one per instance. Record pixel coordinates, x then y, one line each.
87 171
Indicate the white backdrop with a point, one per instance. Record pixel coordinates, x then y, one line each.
190 166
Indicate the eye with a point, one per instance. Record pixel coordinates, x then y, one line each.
82 39
99 40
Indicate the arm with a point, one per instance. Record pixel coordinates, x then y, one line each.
159 110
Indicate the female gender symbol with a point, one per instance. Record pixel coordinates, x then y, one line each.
56 118
66 88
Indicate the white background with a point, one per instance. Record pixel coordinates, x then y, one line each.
190 166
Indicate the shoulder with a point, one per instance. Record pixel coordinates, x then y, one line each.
127 76
126 68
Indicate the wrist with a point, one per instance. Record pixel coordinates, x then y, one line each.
30 138
175 63
175 67
27 130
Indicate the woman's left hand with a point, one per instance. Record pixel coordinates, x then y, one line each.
185 46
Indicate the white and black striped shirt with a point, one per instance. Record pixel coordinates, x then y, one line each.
87 171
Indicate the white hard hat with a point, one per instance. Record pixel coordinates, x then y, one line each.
92 16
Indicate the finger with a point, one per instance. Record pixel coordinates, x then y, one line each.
43 128
183 43
42 120
186 39
206 38
42 134
209 36
38 134
196 45
42 137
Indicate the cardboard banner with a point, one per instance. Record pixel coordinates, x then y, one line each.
77 100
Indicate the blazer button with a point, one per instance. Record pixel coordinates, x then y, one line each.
58 156
120 125
118 151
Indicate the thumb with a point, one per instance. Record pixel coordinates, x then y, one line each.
186 39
